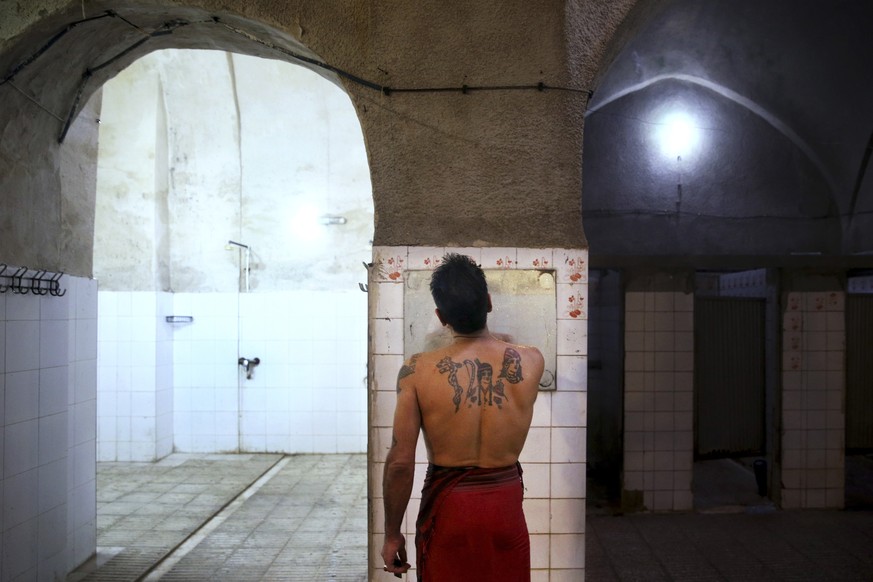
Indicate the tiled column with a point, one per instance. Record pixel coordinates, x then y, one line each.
813 391
48 370
554 454
659 397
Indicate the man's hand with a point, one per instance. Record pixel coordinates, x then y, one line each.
394 555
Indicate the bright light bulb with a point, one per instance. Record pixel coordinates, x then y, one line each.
677 135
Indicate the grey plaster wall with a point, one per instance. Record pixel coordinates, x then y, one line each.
499 167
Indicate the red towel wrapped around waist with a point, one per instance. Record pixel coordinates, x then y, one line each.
471 525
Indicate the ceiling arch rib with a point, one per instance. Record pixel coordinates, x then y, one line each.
727 93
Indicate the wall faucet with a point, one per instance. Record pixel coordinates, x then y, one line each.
249 365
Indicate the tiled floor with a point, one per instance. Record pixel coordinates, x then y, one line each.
267 517
798 546
302 518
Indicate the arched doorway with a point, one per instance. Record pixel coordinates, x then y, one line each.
234 211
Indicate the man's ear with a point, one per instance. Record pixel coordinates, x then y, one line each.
489 303
440 316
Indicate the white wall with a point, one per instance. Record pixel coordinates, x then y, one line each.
257 159
308 395
48 365
135 376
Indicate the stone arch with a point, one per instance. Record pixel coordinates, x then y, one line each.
51 69
472 158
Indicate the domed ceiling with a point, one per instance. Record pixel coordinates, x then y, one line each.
739 133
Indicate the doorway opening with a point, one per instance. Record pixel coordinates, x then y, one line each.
734 389
859 394
234 210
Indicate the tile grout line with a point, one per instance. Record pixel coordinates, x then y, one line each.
162 567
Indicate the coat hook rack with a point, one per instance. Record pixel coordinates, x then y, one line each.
41 282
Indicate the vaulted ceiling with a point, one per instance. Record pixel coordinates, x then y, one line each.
733 133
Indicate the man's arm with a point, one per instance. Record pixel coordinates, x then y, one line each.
400 467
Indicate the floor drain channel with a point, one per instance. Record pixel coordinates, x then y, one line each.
161 568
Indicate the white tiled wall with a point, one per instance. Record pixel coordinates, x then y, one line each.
135 409
659 375
308 395
47 444
813 393
555 452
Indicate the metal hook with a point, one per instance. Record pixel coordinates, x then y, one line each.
55 286
36 283
364 288
18 287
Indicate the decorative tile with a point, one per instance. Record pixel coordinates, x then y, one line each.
792 342
816 301
424 258
535 259
572 301
835 301
388 263
572 265
792 321
499 258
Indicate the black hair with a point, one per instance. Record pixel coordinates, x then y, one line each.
460 292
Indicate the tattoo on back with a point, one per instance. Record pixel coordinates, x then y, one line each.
511 366
407 369
478 386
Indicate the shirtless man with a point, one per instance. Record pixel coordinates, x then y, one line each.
474 402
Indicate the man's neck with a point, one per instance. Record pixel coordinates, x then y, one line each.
481 334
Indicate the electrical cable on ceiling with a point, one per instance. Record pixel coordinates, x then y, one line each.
39 52
169 26
35 102
385 89
166 28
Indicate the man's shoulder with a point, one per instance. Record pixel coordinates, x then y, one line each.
522 350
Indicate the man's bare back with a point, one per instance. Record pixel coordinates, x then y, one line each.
473 401
476 399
